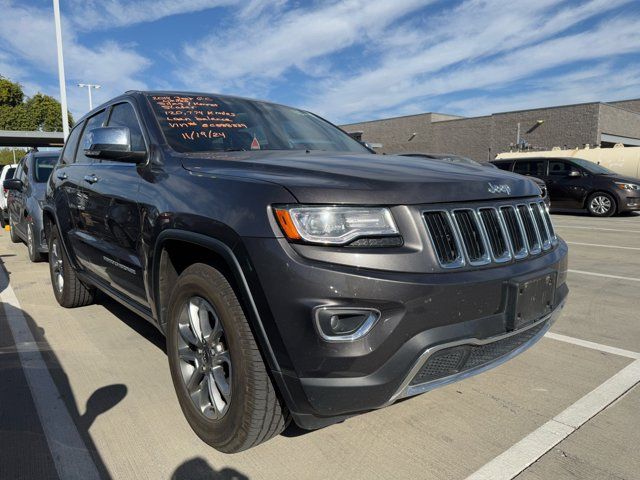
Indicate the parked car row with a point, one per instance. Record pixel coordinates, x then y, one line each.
26 190
296 275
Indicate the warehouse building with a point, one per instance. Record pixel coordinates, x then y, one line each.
482 138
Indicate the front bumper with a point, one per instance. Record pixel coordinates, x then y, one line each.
421 314
628 202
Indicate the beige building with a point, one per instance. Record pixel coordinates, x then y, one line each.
482 138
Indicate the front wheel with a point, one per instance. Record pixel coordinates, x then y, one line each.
601 204
34 254
13 233
221 382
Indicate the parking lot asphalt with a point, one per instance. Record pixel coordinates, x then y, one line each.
567 408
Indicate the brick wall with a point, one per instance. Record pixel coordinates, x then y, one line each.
618 121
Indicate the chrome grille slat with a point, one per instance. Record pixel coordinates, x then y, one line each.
481 235
444 238
530 229
474 243
496 234
516 231
536 212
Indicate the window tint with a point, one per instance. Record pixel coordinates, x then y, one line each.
504 165
10 173
18 172
560 168
43 166
530 167
123 115
94 122
72 142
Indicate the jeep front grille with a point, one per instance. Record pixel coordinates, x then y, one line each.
481 235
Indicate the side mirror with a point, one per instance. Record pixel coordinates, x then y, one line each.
13 184
112 143
575 173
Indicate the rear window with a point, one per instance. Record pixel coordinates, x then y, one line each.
43 168
504 165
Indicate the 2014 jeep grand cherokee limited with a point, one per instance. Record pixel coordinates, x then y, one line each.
294 273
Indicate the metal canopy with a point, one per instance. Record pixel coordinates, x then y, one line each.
11 138
630 141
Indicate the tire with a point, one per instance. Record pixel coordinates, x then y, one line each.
601 204
69 291
34 254
248 411
13 233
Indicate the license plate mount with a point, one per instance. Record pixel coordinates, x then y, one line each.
530 300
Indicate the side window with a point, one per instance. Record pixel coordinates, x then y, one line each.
18 172
530 167
93 122
123 115
559 168
25 170
69 151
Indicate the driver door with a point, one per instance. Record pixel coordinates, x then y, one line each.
567 183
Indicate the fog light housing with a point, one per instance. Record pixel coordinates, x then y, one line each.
344 324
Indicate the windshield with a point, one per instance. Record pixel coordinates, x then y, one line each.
219 124
43 168
592 167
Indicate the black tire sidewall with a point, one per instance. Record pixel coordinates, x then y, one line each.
610 212
217 433
13 232
34 255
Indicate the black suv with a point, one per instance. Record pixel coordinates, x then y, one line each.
575 184
295 274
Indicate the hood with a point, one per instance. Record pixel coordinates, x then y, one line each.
328 177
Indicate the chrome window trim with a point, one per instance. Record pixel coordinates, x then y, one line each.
505 235
459 262
407 390
486 258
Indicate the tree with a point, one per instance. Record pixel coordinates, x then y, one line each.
40 112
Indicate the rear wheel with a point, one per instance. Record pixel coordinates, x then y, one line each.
68 289
220 379
601 204
34 254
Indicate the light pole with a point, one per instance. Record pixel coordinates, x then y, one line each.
89 86
63 89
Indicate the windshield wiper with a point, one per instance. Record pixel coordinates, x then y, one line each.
235 149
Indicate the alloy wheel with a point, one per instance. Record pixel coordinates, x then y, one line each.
205 362
600 204
57 265
30 245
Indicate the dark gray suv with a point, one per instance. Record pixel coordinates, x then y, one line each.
295 274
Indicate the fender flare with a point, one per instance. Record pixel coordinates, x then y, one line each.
227 254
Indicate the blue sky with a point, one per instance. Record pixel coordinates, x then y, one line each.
346 60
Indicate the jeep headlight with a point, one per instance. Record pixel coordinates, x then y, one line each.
627 186
334 225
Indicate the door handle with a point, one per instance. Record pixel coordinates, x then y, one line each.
62 175
90 178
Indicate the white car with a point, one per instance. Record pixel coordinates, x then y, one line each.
5 174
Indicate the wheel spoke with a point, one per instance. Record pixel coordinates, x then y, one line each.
222 382
194 380
186 354
217 401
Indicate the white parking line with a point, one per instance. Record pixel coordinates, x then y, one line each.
596 228
603 246
595 346
519 457
70 454
605 275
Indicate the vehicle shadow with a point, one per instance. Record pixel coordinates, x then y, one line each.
24 451
199 469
